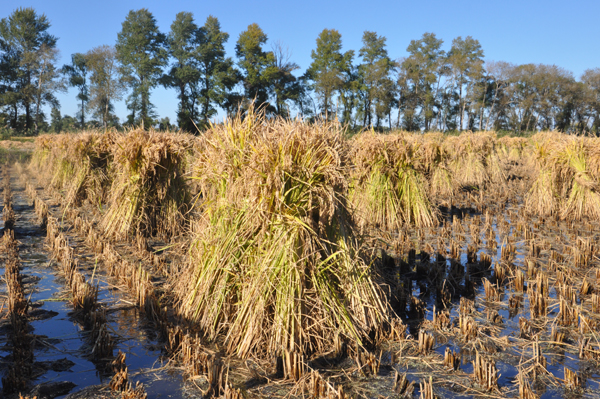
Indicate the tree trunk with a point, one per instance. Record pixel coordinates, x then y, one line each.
82 113
27 116
460 104
16 117
487 122
106 115
144 108
206 100
365 113
37 104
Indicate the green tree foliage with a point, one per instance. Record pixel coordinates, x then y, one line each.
28 74
202 74
141 51
431 88
106 85
420 78
47 81
374 73
286 87
55 120
465 60
591 87
182 43
68 124
258 66
77 73
218 75
330 69
499 73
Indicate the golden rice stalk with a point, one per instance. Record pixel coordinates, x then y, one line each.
468 154
149 194
512 149
495 169
388 191
275 266
42 151
542 198
441 182
584 195
593 159
90 155
77 163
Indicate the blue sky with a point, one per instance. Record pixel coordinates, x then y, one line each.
548 32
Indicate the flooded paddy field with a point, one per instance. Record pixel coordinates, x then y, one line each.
478 293
62 359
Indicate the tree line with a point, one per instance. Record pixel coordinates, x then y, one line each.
429 89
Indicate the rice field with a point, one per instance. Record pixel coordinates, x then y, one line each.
275 258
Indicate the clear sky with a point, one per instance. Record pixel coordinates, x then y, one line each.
548 32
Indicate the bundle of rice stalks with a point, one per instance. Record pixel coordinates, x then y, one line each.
89 155
432 159
62 170
543 197
512 149
275 266
584 195
473 162
387 190
568 183
593 149
42 151
149 194
77 163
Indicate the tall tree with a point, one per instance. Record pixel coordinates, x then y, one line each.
106 85
183 45
46 81
257 66
465 60
328 70
218 75
303 100
142 54
285 85
26 46
77 74
423 71
56 120
591 82
374 77
10 96
499 73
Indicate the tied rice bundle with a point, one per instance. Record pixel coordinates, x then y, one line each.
276 266
149 194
